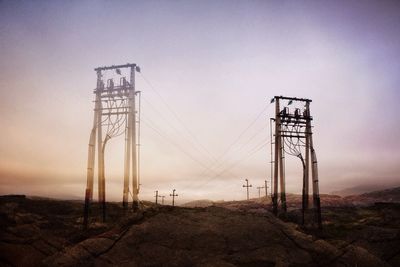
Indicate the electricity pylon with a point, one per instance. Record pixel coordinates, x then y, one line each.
247 187
293 136
115 114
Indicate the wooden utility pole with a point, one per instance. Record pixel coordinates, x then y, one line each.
247 187
156 196
173 195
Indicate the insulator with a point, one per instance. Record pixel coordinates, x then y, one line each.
122 82
297 113
305 113
110 84
285 111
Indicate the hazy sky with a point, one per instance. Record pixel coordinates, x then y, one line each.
217 64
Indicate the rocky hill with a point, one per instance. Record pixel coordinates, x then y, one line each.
391 195
198 203
45 232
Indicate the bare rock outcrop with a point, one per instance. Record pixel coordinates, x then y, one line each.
209 237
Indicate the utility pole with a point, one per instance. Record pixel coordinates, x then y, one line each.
156 196
162 199
259 191
247 187
173 195
266 189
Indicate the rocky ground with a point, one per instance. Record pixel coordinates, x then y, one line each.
43 232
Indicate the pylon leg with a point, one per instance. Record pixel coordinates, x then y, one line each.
100 157
316 197
304 195
126 170
276 159
282 175
132 134
90 171
86 209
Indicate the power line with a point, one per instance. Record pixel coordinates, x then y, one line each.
240 148
220 163
172 126
245 130
252 152
176 116
154 128
217 162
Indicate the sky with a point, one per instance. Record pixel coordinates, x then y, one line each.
211 69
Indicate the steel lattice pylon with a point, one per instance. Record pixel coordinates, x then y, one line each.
115 114
293 136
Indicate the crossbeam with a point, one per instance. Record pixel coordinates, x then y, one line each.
293 98
293 136
128 65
